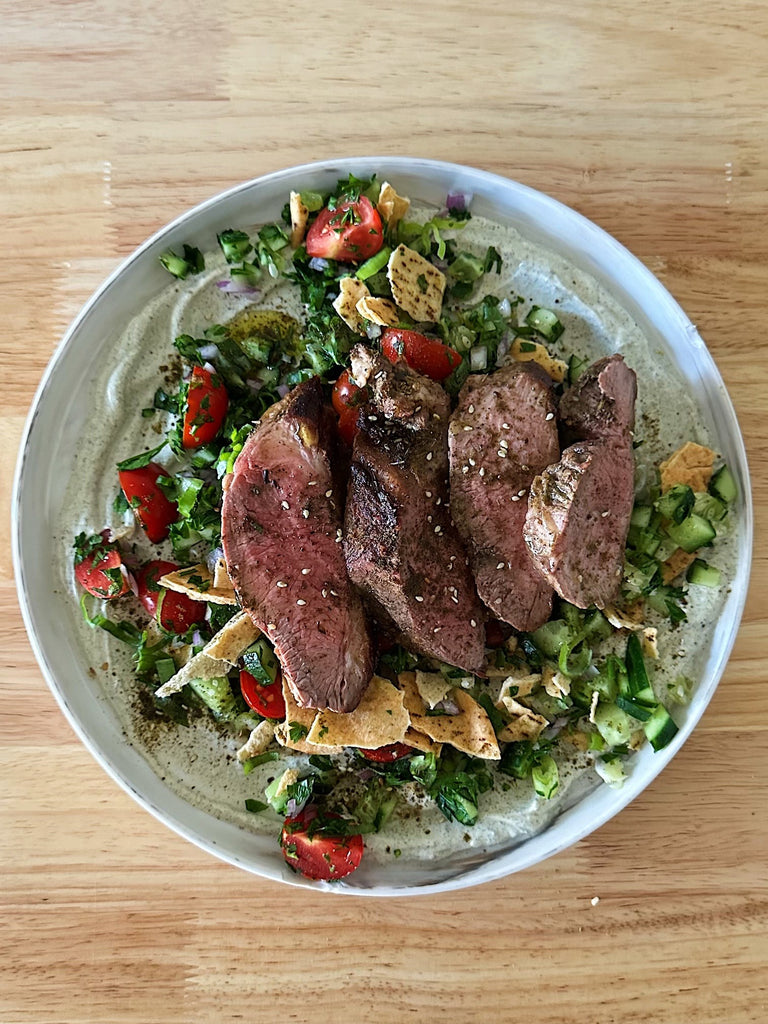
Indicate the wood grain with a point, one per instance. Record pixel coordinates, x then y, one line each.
647 117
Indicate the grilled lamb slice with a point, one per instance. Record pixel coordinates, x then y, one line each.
402 549
502 433
578 518
601 404
398 392
281 532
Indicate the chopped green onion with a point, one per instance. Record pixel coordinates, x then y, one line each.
546 778
545 323
235 245
374 264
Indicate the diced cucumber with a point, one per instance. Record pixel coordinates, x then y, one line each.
596 626
677 503
666 549
634 709
614 725
660 729
466 267
277 803
641 516
638 685
723 485
703 575
693 533
576 367
217 694
312 200
260 660
546 777
709 507
611 771
550 637
374 264
545 323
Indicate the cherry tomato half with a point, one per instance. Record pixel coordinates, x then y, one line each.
207 403
175 612
153 509
350 233
347 399
425 355
315 854
99 567
384 755
265 698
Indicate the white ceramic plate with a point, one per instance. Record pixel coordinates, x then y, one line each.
56 420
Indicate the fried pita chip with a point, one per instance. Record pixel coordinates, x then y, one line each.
417 739
260 738
470 731
217 657
555 683
299 216
221 578
391 206
522 683
417 285
676 564
650 642
294 730
692 464
378 311
432 686
351 291
378 720
524 350
197 583
525 724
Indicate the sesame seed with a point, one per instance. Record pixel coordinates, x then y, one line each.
372 419
465 469
305 513
438 528
417 409
503 443
505 426
471 462
549 416
285 505
522 492
281 584
312 483
472 622
471 409
436 416
334 594
500 565
515 497
580 578
437 629
482 471
467 426
339 539
418 598
305 572
501 453
329 494
428 494
271 625
324 592
604 514
429 456
429 519
497 601
455 600
301 602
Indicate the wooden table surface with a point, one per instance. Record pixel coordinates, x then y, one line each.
649 118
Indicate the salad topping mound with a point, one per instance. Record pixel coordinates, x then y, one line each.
392 545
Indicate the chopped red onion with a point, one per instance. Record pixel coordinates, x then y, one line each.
213 558
209 366
236 287
282 390
505 307
317 263
128 577
554 728
373 331
458 201
447 707
197 639
210 351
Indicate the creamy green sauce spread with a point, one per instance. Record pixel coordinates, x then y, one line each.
199 763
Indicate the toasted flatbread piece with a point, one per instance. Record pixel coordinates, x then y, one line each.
391 206
525 724
555 683
378 311
351 291
198 584
299 216
258 741
691 464
217 657
524 350
379 719
299 721
650 642
470 731
521 683
432 687
417 739
221 578
676 564
417 285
